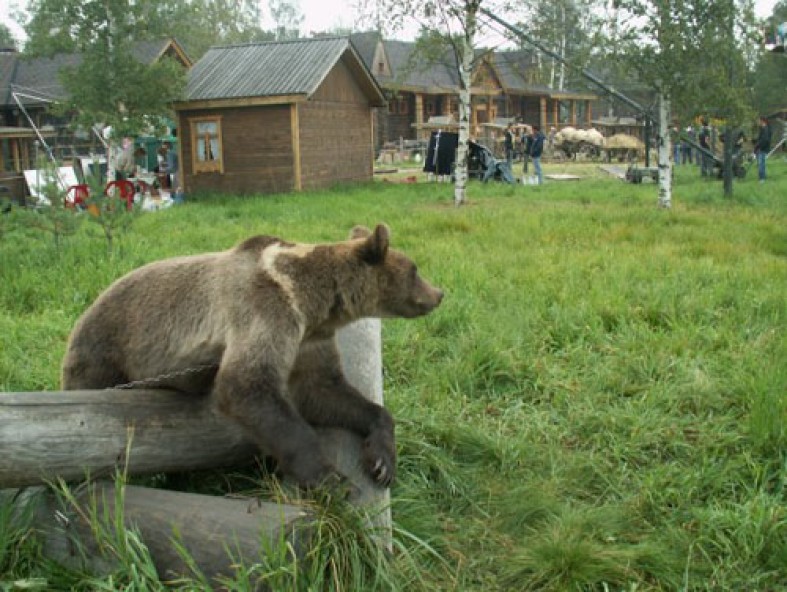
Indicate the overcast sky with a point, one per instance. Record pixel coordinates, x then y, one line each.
319 15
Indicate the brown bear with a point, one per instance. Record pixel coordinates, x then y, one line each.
255 327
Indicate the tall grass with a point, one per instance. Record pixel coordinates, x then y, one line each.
599 403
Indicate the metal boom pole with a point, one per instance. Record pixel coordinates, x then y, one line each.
586 73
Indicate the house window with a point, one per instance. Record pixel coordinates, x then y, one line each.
402 106
206 151
430 108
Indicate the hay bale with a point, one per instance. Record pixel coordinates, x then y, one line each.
624 141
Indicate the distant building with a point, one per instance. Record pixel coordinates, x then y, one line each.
504 88
28 87
277 117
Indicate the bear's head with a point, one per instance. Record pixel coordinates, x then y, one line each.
401 291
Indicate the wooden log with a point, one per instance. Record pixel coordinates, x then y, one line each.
219 533
360 345
68 434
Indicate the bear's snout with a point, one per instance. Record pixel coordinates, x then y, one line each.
429 300
438 297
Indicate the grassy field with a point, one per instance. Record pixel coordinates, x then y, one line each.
599 404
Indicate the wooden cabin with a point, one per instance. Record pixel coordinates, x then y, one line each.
277 117
28 125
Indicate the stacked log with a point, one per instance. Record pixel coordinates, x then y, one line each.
68 435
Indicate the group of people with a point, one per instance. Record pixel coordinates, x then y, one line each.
167 168
684 153
532 143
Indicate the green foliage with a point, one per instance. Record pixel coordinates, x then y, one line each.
109 211
51 214
694 52
6 38
770 82
55 26
7 216
18 545
110 84
569 28
598 404
49 27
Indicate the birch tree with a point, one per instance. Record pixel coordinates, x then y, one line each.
688 52
454 25
569 28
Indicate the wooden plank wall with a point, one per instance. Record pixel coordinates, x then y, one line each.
399 125
258 151
336 133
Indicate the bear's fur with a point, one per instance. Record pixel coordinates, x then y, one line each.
255 327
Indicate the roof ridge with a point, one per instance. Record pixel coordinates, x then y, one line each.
282 42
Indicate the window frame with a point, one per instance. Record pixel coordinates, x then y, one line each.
206 166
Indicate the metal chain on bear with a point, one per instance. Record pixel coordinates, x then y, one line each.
153 381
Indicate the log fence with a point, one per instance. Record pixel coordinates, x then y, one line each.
68 435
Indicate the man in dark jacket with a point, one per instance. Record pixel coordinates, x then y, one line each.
762 146
536 150
704 138
508 145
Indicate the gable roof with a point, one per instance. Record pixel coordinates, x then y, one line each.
408 71
282 71
412 72
8 62
39 78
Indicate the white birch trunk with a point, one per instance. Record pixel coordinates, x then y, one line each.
665 149
465 70
562 79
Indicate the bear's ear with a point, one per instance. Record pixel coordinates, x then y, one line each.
359 232
375 247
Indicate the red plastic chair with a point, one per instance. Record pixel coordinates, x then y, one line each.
125 189
76 196
144 187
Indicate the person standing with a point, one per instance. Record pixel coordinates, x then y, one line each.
508 146
171 157
706 161
125 162
762 146
675 140
536 150
686 148
527 142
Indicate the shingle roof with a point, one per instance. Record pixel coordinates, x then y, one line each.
366 45
41 76
283 68
8 61
416 72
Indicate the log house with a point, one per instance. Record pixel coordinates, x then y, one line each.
277 117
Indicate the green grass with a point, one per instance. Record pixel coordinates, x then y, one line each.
599 404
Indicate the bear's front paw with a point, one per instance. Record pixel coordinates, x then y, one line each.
312 472
379 458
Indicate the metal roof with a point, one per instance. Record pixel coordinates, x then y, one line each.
283 68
